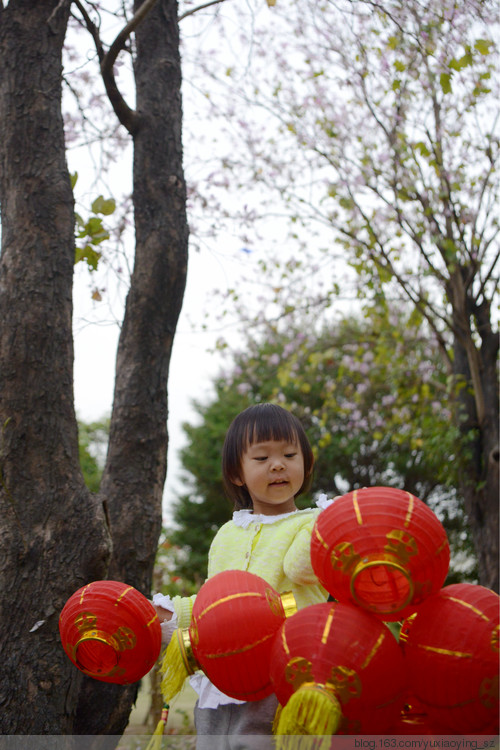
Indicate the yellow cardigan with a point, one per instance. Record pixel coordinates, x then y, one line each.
276 548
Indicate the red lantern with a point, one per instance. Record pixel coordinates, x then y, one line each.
451 651
235 617
336 670
382 549
111 632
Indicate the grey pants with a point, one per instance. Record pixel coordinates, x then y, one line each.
236 726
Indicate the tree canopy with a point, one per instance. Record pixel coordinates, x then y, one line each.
375 129
374 398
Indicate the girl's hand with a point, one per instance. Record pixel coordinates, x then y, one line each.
164 615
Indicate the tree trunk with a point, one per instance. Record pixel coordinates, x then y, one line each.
55 534
479 483
53 531
134 476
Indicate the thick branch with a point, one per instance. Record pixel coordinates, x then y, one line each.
127 116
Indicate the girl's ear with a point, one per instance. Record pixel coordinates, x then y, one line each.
237 481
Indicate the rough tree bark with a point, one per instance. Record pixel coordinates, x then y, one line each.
56 535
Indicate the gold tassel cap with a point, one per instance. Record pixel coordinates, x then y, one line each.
312 710
178 663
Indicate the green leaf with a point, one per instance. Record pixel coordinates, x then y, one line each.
89 255
445 81
483 46
105 206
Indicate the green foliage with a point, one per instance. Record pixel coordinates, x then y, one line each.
374 398
91 232
92 444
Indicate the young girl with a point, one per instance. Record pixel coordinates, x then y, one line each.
267 463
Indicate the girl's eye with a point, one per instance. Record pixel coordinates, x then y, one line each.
290 455
260 458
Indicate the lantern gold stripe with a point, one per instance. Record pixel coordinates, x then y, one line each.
246 647
283 640
152 620
328 625
374 650
320 538
84 591
124 593
445 651
356 508
441 547
410 509
469 606
240 595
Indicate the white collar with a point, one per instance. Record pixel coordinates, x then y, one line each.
243 518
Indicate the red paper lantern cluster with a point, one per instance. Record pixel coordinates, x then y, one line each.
452 656
382 549
348 655
111 632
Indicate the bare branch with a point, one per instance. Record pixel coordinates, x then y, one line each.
92 28
200 7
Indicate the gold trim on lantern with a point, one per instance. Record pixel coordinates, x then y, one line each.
98 635
411 503
344 557
231 597
124 593
289 603
494 639
445 651
84 591
387 562
320 538
298 672
283 641
242 650
186 649
401 544
345 683
328 625
357 511
469 606
403 635
374 650
102 637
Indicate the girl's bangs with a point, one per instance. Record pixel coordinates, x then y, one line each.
271 425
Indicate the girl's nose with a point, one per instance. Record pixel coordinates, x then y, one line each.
277 464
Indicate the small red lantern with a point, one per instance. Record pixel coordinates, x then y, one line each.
336 669
380 548
111 632
235 617
451 650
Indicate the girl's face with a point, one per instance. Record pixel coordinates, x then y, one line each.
273 473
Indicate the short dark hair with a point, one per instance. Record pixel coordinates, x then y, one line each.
257 424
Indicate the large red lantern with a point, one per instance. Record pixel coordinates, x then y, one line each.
336 669
451 650
234 619
382 549
111 632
